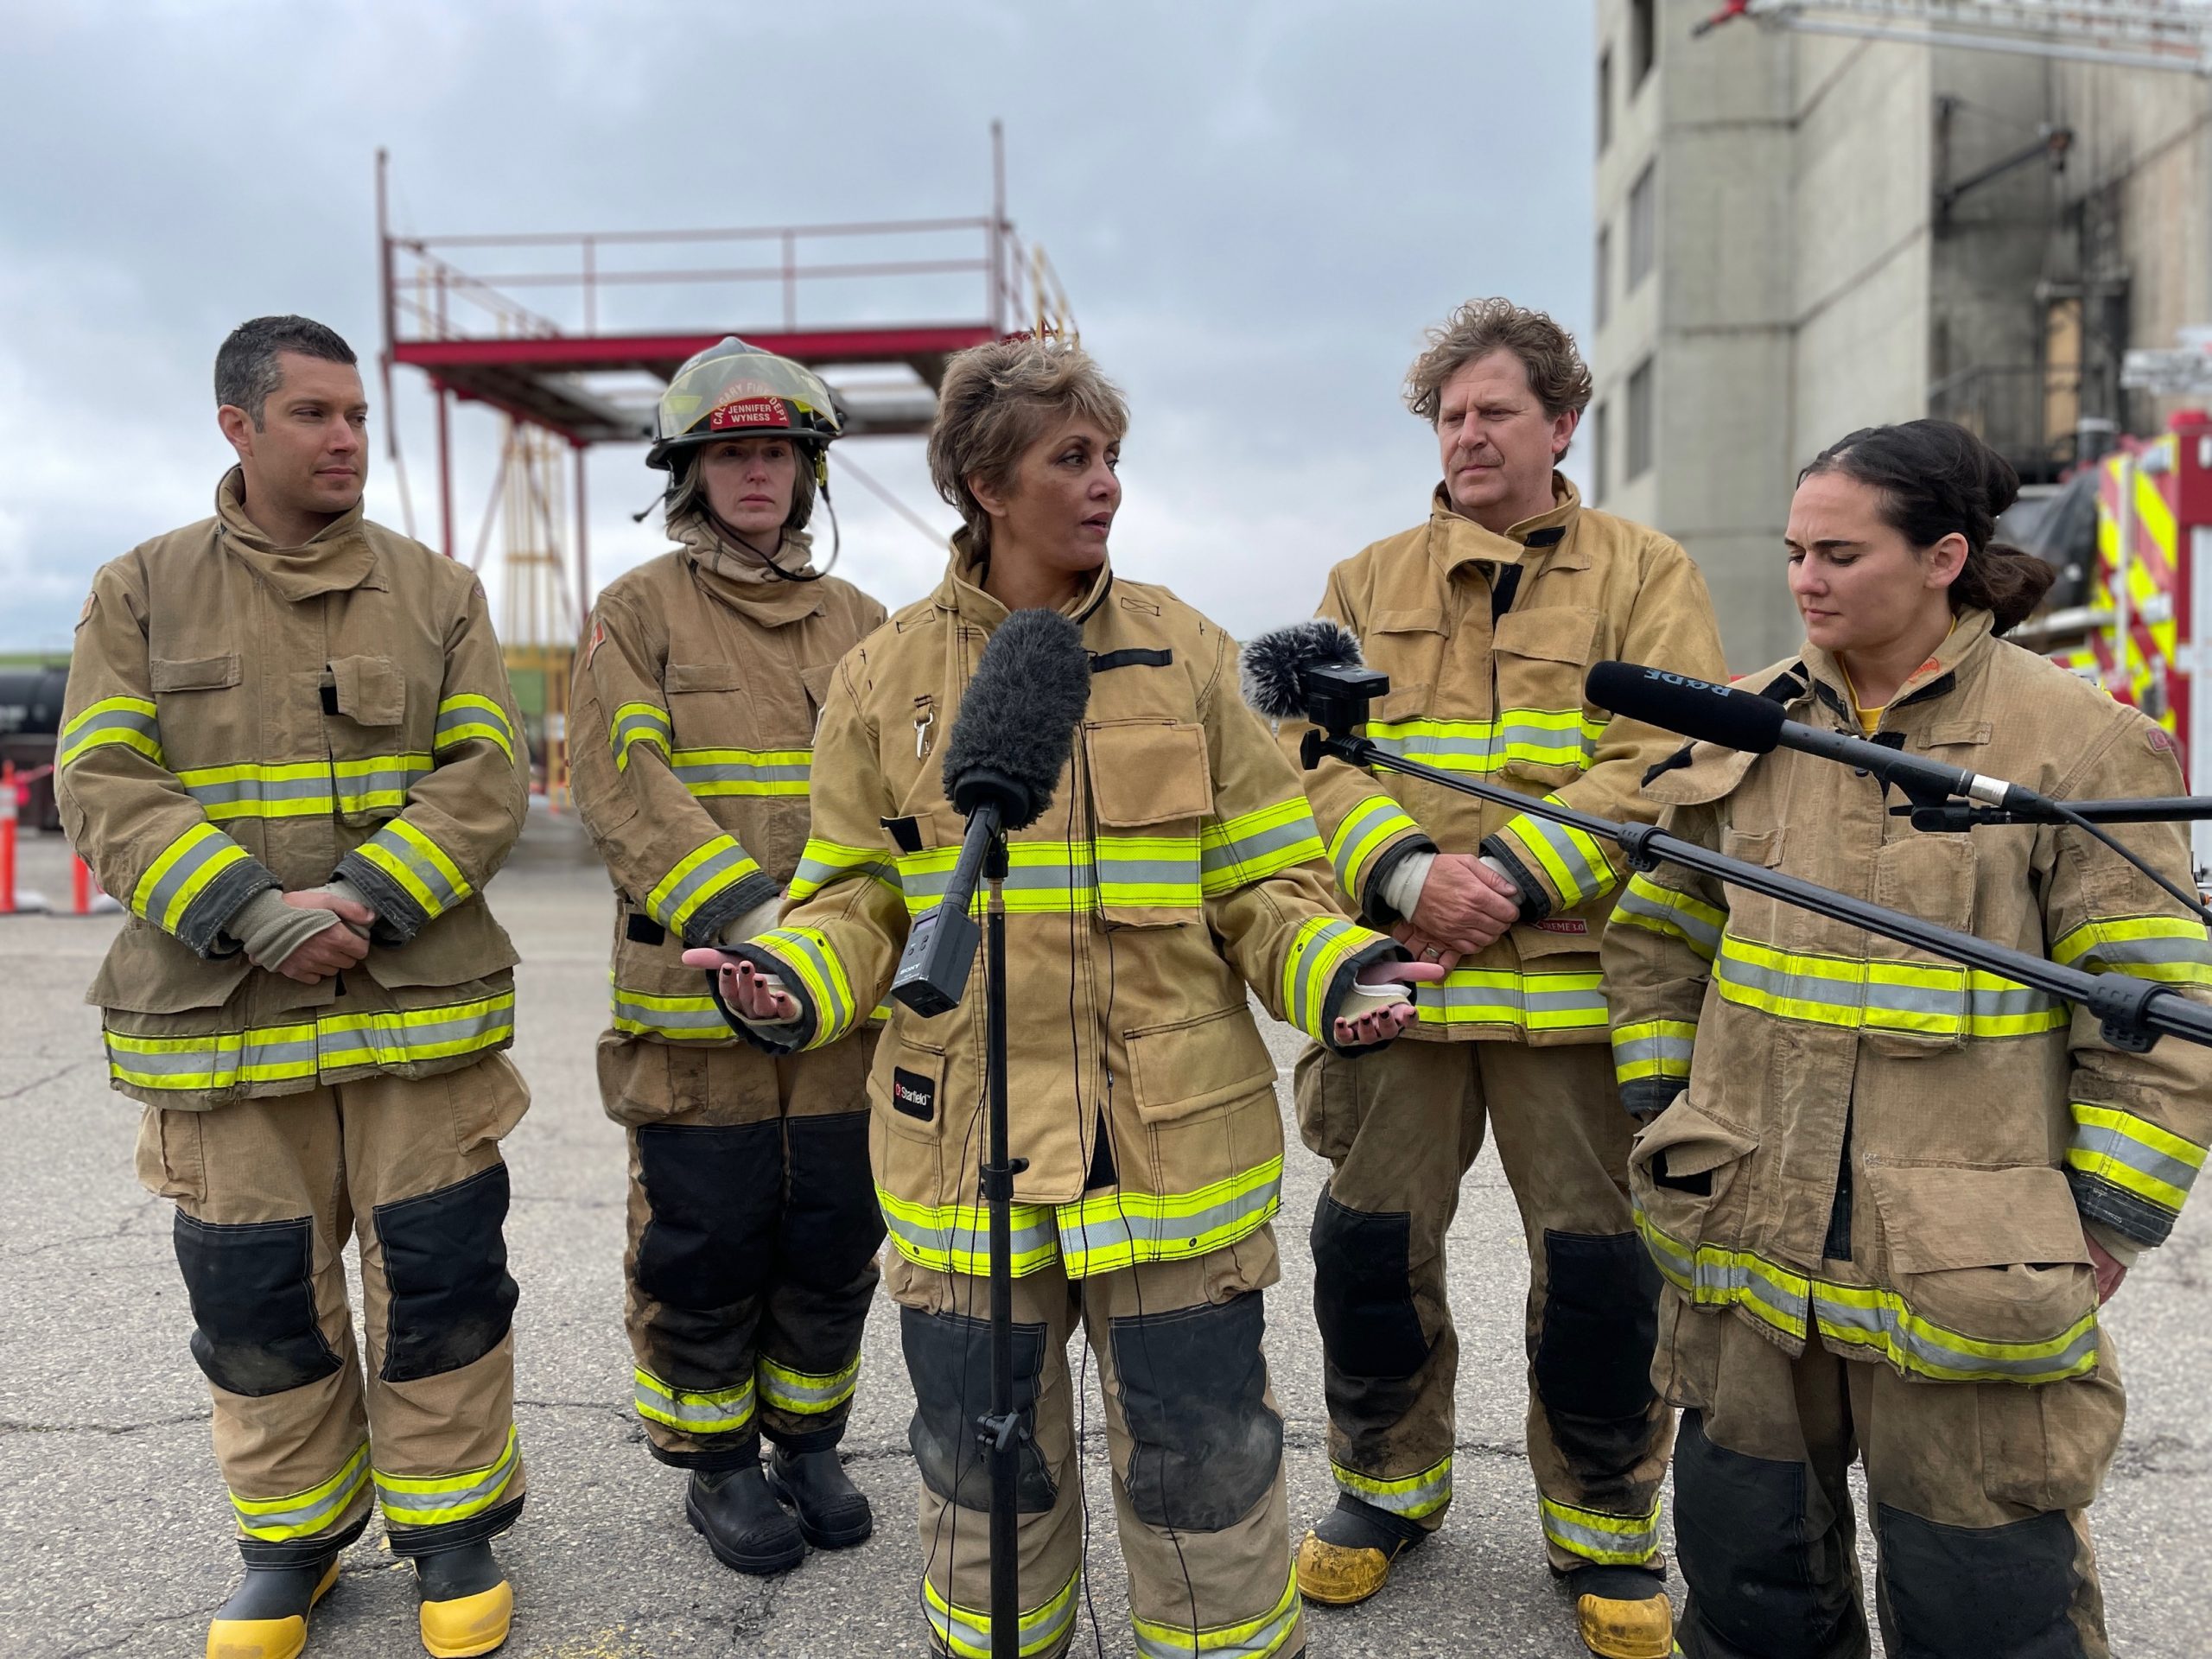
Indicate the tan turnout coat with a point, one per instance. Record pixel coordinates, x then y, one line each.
1486 639
241 717
1876 1149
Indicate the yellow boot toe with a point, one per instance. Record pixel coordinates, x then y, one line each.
1627 1630
266 1638
1337 1575
469 1626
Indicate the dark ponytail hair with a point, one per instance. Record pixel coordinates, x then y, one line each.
1936 478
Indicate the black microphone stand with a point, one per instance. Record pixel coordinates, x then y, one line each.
931 976
2134 1013
1951 817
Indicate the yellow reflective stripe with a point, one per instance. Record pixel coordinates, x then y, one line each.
301 1515
967 1630
1652 1048
707 772
2134 1154
1309 968
805 954
1576 864
181 872
638 722
2172 950
1608 1540
132 721
1526 1001
1043 878
1147 872
1235 852
439 1500
1254 1638
693 1411
1411 1496
1644 903
1862 1316
1104 1232
1365 831
1874 994
1533 737
956 1237
327 1046
466 716
673 1018
418 864
712 868
825 861
302 788
806 1393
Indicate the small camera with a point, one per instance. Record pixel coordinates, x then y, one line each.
1337 699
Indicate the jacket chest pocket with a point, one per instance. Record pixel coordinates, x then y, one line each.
1151 789
1918 1004
365 722
199 717
1540 657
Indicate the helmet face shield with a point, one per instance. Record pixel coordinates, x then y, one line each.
735 391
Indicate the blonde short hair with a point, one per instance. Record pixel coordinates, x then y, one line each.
1557 372
998 399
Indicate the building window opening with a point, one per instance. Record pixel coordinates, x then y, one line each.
1643 421
1643 226
1643 40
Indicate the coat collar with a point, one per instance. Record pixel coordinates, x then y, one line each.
337 557
962 591
1455 541
745 587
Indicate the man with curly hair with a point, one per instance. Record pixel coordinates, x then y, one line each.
1486 616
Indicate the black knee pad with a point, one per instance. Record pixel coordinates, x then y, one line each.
948 1360
714 1194
252 1293
1959 1592
832 1225
1759 1580
445 1260
1591 1356
1193 1382
1363 1290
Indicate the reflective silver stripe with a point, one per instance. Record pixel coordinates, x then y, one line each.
677 1016
637 720
935 1242
806 1393
315 791
1256 1638
1596 1536
1669 1055
414 1501
924 889
1936 999
1585 878
725 1411
223 1058
2096 1140
1412 1496
395 1038
384 782
698 776
1649 902
1518 1000
1921 1346
1172 882
672 908
454 716
1104 1224
1718 1278
816 872
85 733
1255 856
395 845
967 1630
212 843
277 1520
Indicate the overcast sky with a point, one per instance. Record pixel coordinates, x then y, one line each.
1256 206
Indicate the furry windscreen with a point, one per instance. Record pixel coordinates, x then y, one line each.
1272 667
1016 725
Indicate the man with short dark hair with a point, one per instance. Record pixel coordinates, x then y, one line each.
289 746
1486 617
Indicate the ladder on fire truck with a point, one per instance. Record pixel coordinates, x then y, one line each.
2129 34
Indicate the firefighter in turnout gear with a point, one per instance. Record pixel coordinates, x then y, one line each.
290 747
752 1223
1177 865
1887 1195
1486 619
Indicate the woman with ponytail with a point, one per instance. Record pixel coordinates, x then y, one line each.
1888 1197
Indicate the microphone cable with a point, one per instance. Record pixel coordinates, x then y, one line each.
2192 903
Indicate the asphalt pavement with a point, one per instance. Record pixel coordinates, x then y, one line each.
116 1539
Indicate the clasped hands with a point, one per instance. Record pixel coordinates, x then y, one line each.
1464 906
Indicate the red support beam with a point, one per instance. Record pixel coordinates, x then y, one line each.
572 353
445 472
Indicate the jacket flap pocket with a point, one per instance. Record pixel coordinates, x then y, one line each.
908 1078
369 691
1761 847
1148 771
462 944
201 674
1425 619
1692 1141
1177 1070
1711 772
701 676
1558 634
1937 1218
148 971
817 681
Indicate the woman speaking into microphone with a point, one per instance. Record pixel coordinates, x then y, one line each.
1175 866
1888 1195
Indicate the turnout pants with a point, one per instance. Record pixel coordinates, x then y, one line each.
754 1230
1401 1126
266 1191
1978 1492
1191 1430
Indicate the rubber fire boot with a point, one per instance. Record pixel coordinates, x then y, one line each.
1624 1611
1347 1558
741 1521
832 1512
468 1603
266 1617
